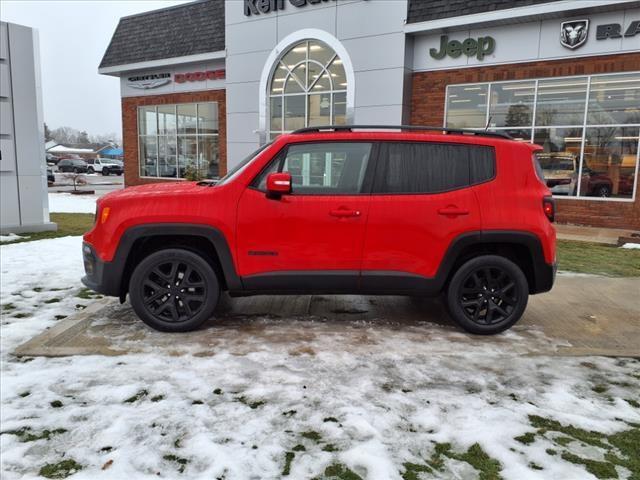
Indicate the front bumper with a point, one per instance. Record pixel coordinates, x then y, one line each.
102 277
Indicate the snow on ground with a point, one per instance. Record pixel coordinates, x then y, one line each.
631 245
69 203
381 414
10 237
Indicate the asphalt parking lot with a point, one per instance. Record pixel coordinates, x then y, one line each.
583 315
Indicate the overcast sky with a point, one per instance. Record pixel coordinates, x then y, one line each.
73 37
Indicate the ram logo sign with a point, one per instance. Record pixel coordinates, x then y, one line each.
573 34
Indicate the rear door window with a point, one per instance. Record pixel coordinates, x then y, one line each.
421 167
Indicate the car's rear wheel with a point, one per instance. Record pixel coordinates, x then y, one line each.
603 191
174 290
487 295
91 170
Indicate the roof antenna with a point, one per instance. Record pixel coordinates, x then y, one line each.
486 128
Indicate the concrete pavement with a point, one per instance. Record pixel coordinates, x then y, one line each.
583 315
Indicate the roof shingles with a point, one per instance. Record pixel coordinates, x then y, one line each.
425 10
188 29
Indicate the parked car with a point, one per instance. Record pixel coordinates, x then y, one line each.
106 166
561 175
336 211
74 165
52 159
51 178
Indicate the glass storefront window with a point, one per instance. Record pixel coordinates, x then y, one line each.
588 127
512 104
560 161
561 102
610 158
177 139
467 106
614 100
308 87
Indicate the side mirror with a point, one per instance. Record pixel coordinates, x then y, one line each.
278 184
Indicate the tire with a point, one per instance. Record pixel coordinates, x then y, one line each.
105 171
76 170
91 170
161 305
603 191
487 295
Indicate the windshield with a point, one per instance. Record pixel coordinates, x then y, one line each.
239 167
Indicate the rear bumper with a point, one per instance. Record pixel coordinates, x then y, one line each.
101 277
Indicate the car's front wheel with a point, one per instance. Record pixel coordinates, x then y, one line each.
91 170
174 290
487 294
105 171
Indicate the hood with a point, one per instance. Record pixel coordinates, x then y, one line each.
156 190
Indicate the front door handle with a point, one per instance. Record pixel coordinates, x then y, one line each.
344 213
453 211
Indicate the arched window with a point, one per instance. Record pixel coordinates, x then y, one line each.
308 87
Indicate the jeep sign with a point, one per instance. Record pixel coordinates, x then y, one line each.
479 47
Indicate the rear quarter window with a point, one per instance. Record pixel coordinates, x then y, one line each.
422 167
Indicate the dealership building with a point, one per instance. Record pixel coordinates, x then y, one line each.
205 83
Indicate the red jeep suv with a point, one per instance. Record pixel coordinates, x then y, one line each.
337 210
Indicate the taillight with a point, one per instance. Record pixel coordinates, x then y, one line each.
549 207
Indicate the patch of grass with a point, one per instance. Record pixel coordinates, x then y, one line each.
593 258
217 391
62 469
628 444
551 451
137 396
339 472
564 441
312 435
56 404
26 434
535 466
197 402
69 224
329 447
157 398
586 436
60 317
288 459
7 307
24 394
52 300
412 471
632 402
527 439
182 462
475 456
22 315
88 294
106 449
600 388
289 413
594 467
330 419
250 404
299 448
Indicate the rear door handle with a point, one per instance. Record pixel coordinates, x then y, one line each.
343 213
453 211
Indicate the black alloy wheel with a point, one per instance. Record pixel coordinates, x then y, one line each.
488 294
105 171
174 290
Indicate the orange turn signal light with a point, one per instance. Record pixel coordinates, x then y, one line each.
105 214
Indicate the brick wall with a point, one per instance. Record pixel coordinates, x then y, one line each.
428 101
130 128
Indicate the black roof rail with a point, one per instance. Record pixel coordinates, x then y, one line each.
350 128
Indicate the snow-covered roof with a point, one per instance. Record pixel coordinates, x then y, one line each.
63 149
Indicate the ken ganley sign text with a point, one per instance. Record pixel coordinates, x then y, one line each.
256 7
